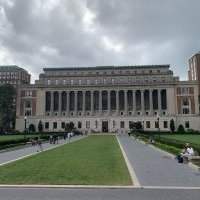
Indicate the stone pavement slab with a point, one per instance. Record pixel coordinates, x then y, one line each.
15 154
155 168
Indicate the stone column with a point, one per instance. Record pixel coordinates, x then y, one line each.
142 102
100 102
60 102
125 102
109 106
117 102
151 102
92 102
83 106
75 103
159 101
52 102
134 103
67 93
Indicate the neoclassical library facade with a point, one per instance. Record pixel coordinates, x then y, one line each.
108 99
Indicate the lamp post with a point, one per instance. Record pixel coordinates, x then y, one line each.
143 125
25 120
158 125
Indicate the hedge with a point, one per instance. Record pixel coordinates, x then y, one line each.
175 143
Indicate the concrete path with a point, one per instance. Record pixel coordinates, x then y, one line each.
97 194
155 168
16 154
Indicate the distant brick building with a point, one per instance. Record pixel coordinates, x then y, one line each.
14 75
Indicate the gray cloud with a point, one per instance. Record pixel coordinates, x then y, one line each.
60 33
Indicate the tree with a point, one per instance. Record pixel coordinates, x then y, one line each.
69 127
138 126
40 126
32 128
7 107
132 125
181 129
172 125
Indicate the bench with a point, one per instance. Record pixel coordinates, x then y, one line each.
188 158
193 158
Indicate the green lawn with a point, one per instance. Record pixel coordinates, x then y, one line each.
95 160
194 139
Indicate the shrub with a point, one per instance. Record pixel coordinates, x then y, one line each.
40 126
172 125
181 129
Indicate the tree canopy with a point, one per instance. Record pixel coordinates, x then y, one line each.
7 106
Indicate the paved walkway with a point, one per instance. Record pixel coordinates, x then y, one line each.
15 154
155 168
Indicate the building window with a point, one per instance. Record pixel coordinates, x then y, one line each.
186 111
165 124
63 125
49 82
55 125
87 124
79 125
114 123
156 124
148 124
71 82
122 124
96 124
56 82
187 124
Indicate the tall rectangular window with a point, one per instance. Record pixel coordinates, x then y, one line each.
63 125
46 125
165 124
87 124
55 125
148 124
122 124
187 124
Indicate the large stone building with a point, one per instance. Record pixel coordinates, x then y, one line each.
13 75
108 99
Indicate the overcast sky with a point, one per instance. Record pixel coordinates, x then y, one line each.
61 33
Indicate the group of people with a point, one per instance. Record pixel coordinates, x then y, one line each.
53 139
38 143
186 153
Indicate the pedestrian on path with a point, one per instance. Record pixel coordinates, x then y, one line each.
39 145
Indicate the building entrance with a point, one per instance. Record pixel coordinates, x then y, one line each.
105 126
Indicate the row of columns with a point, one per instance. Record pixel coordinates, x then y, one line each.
100 110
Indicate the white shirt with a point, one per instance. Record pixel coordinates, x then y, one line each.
190 151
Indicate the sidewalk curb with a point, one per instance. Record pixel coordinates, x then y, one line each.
95 187
72 186
131 170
